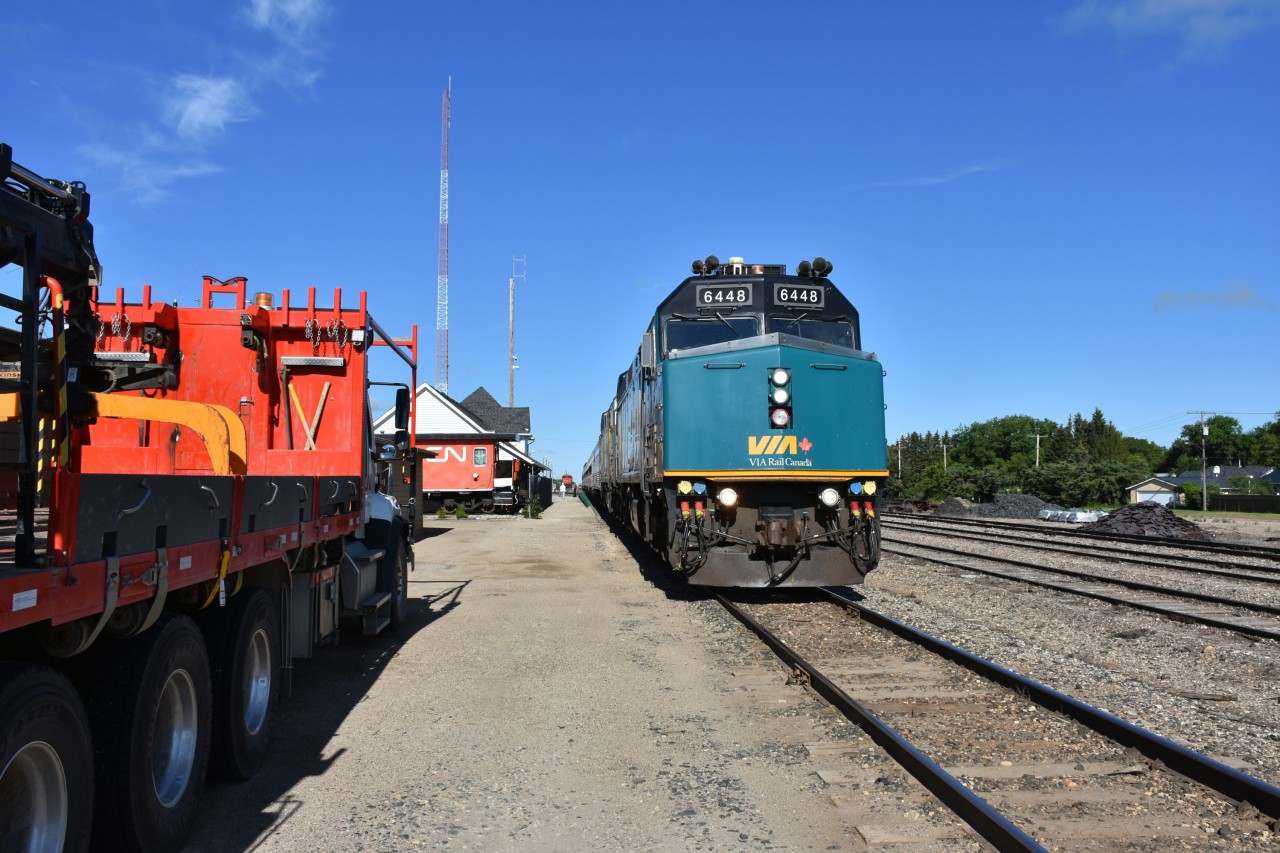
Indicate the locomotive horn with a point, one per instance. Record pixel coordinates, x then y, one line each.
803 268
697 267
713 263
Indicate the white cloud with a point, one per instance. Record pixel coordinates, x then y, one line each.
288 20
199 106
1241 295
934 180
1204 26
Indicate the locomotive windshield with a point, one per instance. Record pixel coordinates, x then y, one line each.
838 331
689 332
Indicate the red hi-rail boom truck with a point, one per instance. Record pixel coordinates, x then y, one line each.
188 502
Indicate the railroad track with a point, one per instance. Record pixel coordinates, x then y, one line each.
1022 764
1048 530
1243 611
1161 553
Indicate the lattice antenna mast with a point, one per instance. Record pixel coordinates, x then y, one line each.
442 263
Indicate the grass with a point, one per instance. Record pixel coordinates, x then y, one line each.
1194 514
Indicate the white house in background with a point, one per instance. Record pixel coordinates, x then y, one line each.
477 451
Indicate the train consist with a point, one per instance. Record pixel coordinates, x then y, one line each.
746 439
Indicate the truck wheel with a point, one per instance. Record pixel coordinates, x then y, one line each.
46 762
150 712
244 652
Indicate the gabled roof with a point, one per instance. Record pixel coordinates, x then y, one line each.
1164 481
435 413
503 420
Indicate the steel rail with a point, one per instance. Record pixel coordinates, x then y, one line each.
973 810
1111 599
1271 574
1170 542
1089 576
1227 781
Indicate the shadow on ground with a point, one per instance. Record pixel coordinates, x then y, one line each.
326 687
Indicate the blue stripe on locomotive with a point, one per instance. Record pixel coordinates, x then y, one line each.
716 418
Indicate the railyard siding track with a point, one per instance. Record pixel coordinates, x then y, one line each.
1263 551
1151 597
1267 571
1000 831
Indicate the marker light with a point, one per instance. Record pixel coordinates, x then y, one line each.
870 488
829 497
855 488
684 487
781 377
780 396
699 488
780 417
727 497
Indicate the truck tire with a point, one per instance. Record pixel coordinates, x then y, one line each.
46 762
150 709
244 654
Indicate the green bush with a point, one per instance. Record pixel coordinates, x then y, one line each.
533 509
459 512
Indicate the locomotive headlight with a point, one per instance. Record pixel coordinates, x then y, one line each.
780 396
829 497
728 498
780 417
781 377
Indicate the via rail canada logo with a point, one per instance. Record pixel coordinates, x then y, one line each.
778 451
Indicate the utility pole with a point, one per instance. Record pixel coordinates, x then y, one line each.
1204 465
511 329
899 457
944 457
442 257
1037 450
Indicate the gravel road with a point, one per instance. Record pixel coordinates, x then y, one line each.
546 695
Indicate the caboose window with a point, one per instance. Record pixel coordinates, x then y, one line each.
480 457
689 333
837 332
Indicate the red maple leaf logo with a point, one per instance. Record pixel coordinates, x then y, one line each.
805 444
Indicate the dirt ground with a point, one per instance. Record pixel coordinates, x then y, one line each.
546 695
1249 531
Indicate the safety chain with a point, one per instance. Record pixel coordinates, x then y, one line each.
117 322
312 327
339 333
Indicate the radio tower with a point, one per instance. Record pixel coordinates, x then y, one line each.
442 264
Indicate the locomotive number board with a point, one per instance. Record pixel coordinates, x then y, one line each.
806 295
715 295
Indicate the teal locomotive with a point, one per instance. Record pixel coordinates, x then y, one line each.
746 439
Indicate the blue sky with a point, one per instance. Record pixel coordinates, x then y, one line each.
1038 208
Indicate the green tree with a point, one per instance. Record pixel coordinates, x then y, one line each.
1225 445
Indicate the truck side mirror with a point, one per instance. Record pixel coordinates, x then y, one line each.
402 440
402 409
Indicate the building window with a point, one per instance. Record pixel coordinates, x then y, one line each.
480 457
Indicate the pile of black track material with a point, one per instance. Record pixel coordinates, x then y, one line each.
1147 519
954 506
1014 507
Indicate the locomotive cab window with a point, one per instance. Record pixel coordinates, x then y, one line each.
480 457
837 332
686 333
